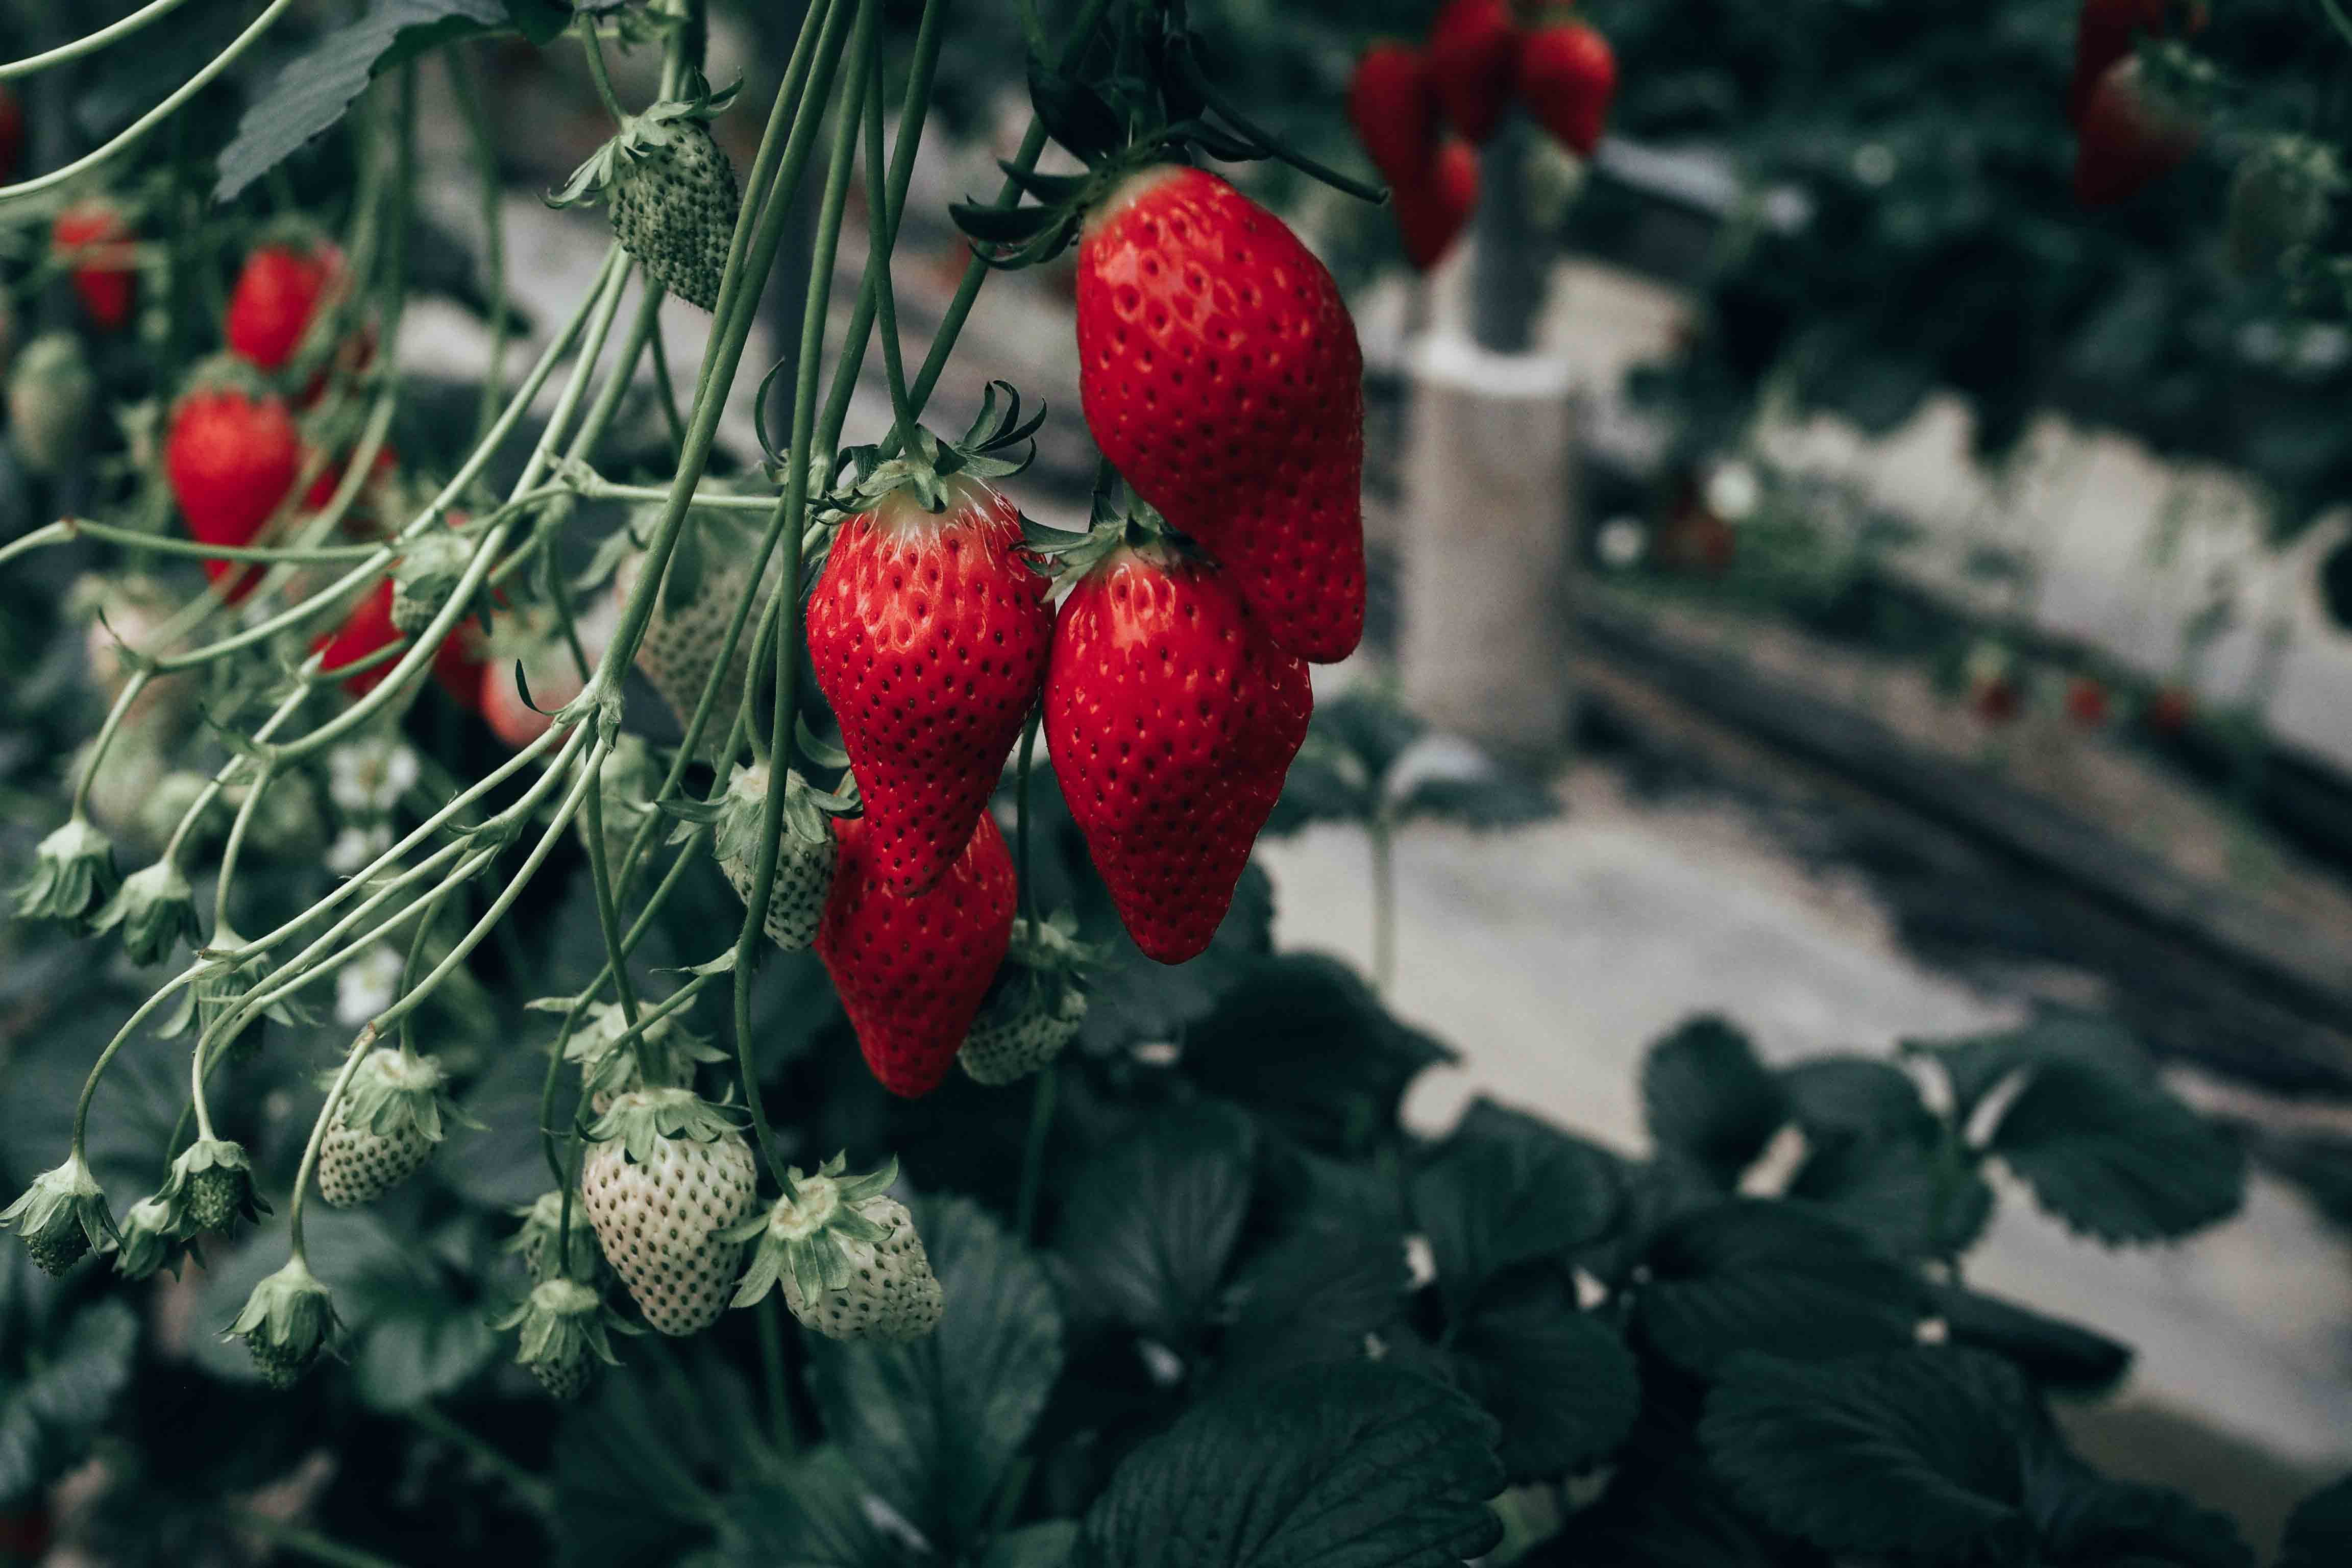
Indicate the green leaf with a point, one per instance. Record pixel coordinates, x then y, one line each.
2088 1521
1914 1192
935 1425
47 1419
1361 1466
1302 1040
1910 1451
1976 1064
416 1346
1045 1545
541 21
1558 1382
1149 1223
1861 1097
1706 1097
1749 1274
1137 1001
1506 1188
1327 1273
2317 1530
2118 1160
315 88
2054 1353
813 1517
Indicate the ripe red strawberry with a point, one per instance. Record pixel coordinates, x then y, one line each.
1433 208
368 626
12 155
2169 712
1394 110
1568 74
278 292
231 456
1474 54
105 286
927 636
1220 374
2105 32
2127 139
912 972
1997 699
2086 702
1171 721
554 676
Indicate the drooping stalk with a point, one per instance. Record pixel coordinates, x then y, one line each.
788 589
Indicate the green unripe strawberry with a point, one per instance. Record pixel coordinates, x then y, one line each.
214 1179
1037 1004
565 1331
670 191
62 1216
287 1321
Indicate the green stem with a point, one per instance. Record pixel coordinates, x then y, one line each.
364 1042
465 82
106 733
883 229
594 49
106 1058
788 589
90 43
772 1364
608 916
1382 837
131 135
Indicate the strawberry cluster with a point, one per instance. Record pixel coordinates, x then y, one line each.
1221 380
1478 60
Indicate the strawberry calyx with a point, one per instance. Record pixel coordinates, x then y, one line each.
392 1090
651 131
809 1235
564 1323
1045 965
1155 105
739 816
643 1120
998 445
1120 521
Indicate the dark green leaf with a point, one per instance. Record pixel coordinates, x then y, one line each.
541 21
416 1344
1506 1188
813 1517
1137 1001
1073 114
315 87
934 1425
1361 1466
1706 1097
2088 1521
2118 1160
1753 1275
1149 1223
2319 1532
2054 1353
1975 1065
993 224
1302 1040
1912 1451
1915 1193
1047 1545
1328 1273
1558 1382
47 1420
1852 1097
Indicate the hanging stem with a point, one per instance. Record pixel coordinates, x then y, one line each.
1382 837
788 589
1021 817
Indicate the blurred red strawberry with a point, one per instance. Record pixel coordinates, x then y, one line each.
2129 138
104 283
1474 57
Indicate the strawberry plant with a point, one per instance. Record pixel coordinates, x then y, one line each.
501 919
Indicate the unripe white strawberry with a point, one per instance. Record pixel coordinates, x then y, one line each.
707 578
389 1119
805 854
847 1256
1037 1004
667 1176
